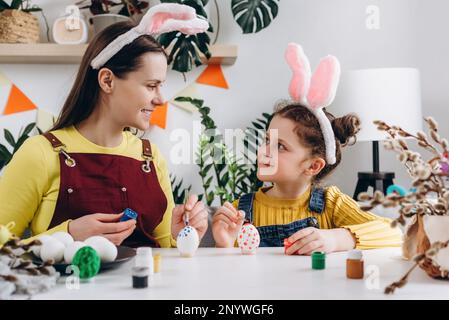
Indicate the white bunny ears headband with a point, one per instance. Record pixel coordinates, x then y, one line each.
162 18
315 91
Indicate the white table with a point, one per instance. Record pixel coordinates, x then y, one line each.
226 274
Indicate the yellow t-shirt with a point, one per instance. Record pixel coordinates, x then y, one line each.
341 211
29 186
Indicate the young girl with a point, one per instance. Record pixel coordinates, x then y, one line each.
80 176
303 146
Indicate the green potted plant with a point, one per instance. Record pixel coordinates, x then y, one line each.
223 175
5 153
107 12
180 192
17 24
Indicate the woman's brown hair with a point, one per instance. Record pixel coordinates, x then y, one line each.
83 96
310 135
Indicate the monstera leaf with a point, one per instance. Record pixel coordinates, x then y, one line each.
186 49
254 15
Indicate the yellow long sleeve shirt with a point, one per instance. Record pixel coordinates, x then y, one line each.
29 186
341 211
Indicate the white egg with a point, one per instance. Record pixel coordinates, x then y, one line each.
71 250
64 237
43 239
187 241
248 239
105 248
52 250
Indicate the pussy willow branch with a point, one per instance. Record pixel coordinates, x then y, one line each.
419 259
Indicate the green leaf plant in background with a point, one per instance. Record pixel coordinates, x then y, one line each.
254 15
5 153
184 50
180 192
22 5
222 174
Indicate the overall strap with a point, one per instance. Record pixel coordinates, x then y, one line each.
317 200
55 142
246 204
59 147
146 148
147 155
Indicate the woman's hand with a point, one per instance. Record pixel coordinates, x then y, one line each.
226 224
197 216
102 224
308 240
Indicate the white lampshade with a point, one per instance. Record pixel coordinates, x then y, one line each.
392 95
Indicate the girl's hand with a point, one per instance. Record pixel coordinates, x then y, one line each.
308 240
226 224
102 224
197 215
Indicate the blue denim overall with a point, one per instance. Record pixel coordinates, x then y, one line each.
274 235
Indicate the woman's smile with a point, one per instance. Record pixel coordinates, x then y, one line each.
146 113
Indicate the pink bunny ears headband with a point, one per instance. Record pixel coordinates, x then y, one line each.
315 91
162 18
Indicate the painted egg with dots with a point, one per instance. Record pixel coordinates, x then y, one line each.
248 239
187 241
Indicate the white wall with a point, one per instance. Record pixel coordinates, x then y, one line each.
409 36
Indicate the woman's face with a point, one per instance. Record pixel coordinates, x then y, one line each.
134 97
282 158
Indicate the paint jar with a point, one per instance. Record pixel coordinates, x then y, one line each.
144 258
354 265
140 277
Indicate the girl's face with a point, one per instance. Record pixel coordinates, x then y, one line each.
135 97
282 158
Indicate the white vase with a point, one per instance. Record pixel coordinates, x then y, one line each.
437 229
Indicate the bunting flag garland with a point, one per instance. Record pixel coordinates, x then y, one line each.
213 76
18 102
189 91
44 120
159 116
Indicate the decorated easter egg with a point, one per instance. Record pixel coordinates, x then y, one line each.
64 237
248 239
43 239
187 241
71 250
88 262
105 248
52 250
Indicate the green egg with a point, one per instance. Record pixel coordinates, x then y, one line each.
88 262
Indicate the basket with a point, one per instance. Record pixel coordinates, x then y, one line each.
434 270
418 239
17 26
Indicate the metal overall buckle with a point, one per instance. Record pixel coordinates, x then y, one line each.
146 166
69 161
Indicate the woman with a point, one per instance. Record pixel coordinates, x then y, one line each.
81 175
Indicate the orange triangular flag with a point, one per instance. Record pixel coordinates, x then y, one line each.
18 102
213 76
159 116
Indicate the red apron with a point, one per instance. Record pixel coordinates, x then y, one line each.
102 183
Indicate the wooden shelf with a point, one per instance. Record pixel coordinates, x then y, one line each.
52 53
